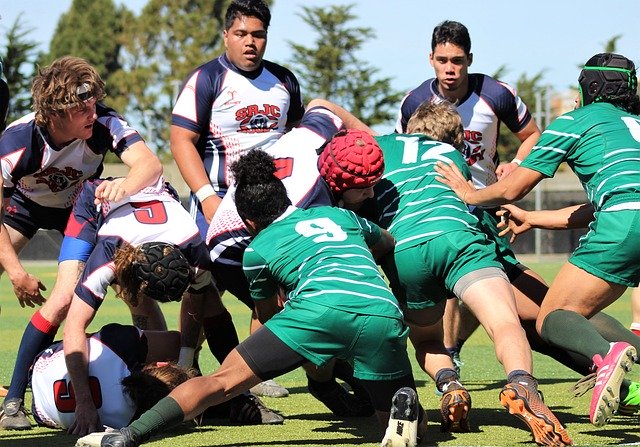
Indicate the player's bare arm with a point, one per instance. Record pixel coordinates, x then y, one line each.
26 286
77 360
349 120
528 138
519 221
144 170
509 189
183 148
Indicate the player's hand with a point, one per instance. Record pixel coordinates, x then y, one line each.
514 220
27 289
110 190
87 421
451 176
505 169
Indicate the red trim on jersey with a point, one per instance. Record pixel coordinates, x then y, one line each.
74 227
9 158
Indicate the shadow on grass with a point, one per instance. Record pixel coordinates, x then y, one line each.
488 385
621 430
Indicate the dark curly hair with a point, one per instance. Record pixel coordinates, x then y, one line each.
629 102
260 196
153 382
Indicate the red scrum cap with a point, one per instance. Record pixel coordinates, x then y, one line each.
352 159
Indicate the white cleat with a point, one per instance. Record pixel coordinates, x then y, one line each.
402 430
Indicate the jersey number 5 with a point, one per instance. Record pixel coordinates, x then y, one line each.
150 212
65 397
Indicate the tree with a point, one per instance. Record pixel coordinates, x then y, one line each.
168 40
527 88
94 31
19 58
331 70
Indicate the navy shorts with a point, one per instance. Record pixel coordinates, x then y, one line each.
27 217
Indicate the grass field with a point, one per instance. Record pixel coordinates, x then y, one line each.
308 423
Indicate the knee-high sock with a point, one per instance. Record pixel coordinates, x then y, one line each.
573 332
612 330
577 362
165 414
37 336
221 335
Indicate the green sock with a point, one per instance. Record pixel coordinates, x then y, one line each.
612 330
166 413
573 332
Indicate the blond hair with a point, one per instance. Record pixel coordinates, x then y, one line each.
129 284
55 88
439 121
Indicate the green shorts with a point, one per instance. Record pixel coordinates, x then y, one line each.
610 249
376 345
426 274
488 225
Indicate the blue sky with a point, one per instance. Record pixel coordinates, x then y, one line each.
555 36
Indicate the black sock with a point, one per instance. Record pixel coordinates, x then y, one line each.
221 335
444 376
321 386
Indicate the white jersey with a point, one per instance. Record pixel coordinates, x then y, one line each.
110 361
52 176
235 111
149 216
296 160
487 104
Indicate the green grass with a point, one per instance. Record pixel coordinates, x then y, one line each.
309 424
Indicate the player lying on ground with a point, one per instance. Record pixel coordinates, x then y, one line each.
130 371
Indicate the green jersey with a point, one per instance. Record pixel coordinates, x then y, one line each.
320 255
601 144
410 202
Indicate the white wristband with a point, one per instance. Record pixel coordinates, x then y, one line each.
205 192
516 161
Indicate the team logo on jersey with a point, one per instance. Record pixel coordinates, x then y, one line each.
255 119
58 179
473 151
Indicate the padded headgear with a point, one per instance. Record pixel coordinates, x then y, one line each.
606 75
163 272
352 159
